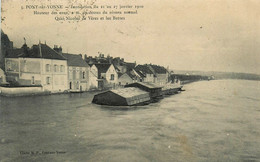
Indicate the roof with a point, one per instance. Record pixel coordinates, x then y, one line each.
4 37
75 60
142 70
145 84
131 75
14 53
130 66
129 92
37 51
102 68
158 69
49 53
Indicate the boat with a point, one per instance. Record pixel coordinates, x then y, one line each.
122 97
135 94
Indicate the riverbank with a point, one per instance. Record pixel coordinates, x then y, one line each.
39 91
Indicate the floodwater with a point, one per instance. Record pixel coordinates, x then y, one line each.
210 121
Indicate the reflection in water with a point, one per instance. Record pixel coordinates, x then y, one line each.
210 121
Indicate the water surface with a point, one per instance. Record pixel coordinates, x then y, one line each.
210 121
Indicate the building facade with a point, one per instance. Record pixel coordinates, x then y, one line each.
93 77
6 45
78 73
2 77
40 66
161 75
145 73
107 75
128 77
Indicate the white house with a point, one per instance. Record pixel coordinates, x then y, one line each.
39 65
93 77
108 74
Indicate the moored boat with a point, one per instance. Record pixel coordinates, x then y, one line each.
135 94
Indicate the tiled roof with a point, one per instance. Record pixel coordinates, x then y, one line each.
14 53
75 60
37 51
131 75
129 66
49 53
4 37
158 69
142 70
102 68
144 84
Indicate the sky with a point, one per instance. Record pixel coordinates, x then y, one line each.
212 35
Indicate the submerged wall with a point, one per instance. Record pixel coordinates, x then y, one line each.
21 91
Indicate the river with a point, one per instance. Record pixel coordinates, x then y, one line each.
211 121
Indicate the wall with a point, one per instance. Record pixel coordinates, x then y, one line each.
125 79
23 70
161 79
76 80
149 78
30 71
93 76
58 80
12 65
109 72
2 77
21 91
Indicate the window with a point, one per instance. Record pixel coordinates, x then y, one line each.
33 81
8 66
48 68
56 68
83 75
77 74
112 77
48 80
74 74
70 74
61 68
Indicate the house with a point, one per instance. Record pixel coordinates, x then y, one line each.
78 73
93 77
130 66
146 74
161 74
38 65
107 75
6 45
2 77
128 77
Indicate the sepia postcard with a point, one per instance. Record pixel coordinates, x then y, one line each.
130 80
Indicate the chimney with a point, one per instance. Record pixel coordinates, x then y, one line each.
25 49
57 49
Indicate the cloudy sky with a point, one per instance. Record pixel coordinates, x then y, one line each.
212 35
